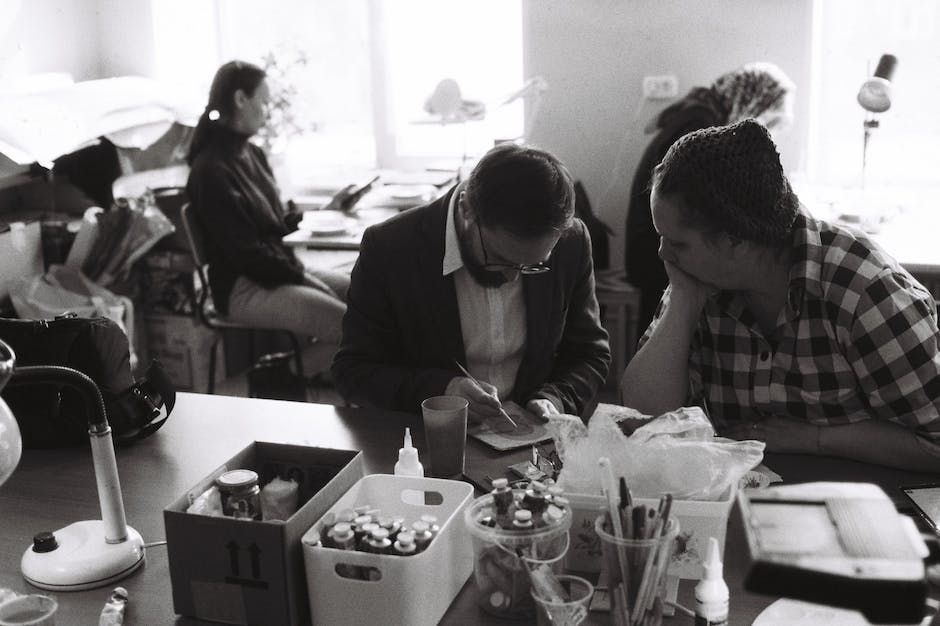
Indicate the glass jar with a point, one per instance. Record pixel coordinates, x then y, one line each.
241 496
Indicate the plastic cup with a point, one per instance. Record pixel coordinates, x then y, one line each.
502 557
445 431
636 573
570 612
29 610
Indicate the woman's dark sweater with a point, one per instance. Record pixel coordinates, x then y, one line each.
232 189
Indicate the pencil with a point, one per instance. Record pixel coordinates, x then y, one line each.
502 411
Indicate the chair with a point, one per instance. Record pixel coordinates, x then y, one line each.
619 302
208 315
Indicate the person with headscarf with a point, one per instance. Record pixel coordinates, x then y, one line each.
782 327
254 277
757 90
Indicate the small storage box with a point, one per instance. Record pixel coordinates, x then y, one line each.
251 572
698 520
411 590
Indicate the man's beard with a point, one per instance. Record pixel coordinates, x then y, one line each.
484 277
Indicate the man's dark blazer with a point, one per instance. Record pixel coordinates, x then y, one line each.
401 331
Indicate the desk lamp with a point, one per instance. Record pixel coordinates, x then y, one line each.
875 97
86 554
11 443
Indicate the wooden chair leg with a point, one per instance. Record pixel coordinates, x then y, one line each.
210 387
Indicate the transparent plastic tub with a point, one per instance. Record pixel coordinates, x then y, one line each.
501 558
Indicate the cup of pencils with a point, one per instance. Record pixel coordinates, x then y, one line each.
637 552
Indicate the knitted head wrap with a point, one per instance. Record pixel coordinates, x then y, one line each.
731 180
751 90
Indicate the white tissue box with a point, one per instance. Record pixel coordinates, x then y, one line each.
698 520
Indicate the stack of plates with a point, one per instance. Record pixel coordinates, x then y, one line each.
326 223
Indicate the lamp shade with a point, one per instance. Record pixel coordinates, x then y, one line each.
11 443
875 93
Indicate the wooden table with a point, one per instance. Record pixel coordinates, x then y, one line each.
53 488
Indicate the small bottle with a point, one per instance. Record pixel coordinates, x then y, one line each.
711 593
431 521
422 535
405 544
358 526
391 524
241 496
378 542
534 499
502 501
344 539
554 514
408 463
522 520
339 529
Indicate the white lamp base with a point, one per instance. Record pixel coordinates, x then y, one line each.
83 559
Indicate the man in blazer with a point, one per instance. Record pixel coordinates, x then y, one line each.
497 276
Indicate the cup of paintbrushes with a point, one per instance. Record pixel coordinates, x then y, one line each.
636 566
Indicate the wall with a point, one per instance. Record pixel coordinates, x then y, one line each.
594 54
48 36
125 38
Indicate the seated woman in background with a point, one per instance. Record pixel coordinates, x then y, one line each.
756 90
255 278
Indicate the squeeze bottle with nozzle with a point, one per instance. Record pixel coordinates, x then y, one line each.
408 463
711 593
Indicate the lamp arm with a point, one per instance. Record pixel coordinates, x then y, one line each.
99 432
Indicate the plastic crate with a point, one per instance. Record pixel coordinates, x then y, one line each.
410 590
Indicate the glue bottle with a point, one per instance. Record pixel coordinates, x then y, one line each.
408 463
711 593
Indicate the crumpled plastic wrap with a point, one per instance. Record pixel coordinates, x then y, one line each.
675 453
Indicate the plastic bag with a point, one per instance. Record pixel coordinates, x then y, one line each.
125 233
676 452
64 289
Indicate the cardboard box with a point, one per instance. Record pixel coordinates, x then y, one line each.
698 520
184 347
236 571
414 590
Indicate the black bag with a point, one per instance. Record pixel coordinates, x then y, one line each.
271 377
52 415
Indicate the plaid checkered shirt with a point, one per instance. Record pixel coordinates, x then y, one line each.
860 341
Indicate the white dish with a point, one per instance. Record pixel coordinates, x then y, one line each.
324 223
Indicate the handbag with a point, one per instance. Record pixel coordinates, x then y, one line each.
51 414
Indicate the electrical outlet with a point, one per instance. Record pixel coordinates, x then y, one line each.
660 87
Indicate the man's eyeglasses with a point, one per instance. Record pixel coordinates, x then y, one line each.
522 268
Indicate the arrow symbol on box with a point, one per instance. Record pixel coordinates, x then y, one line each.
255 553
233 550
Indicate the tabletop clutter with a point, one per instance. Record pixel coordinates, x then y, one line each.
525 542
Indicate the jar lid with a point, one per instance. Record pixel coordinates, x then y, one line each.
237 478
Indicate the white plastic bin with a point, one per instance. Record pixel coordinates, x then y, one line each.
699 519
412 590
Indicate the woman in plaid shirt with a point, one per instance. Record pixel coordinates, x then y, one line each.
787 329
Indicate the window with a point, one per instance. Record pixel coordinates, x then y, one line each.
849 38
362 69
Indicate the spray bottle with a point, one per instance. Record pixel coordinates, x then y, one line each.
711 593
408 463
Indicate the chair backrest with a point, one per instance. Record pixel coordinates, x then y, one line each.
197 246
197 243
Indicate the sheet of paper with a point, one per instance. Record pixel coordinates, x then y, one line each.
500 435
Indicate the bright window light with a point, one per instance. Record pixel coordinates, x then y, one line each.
369 66
851 36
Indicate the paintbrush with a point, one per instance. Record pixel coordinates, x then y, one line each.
502 411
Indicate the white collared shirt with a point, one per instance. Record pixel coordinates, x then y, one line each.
492 319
